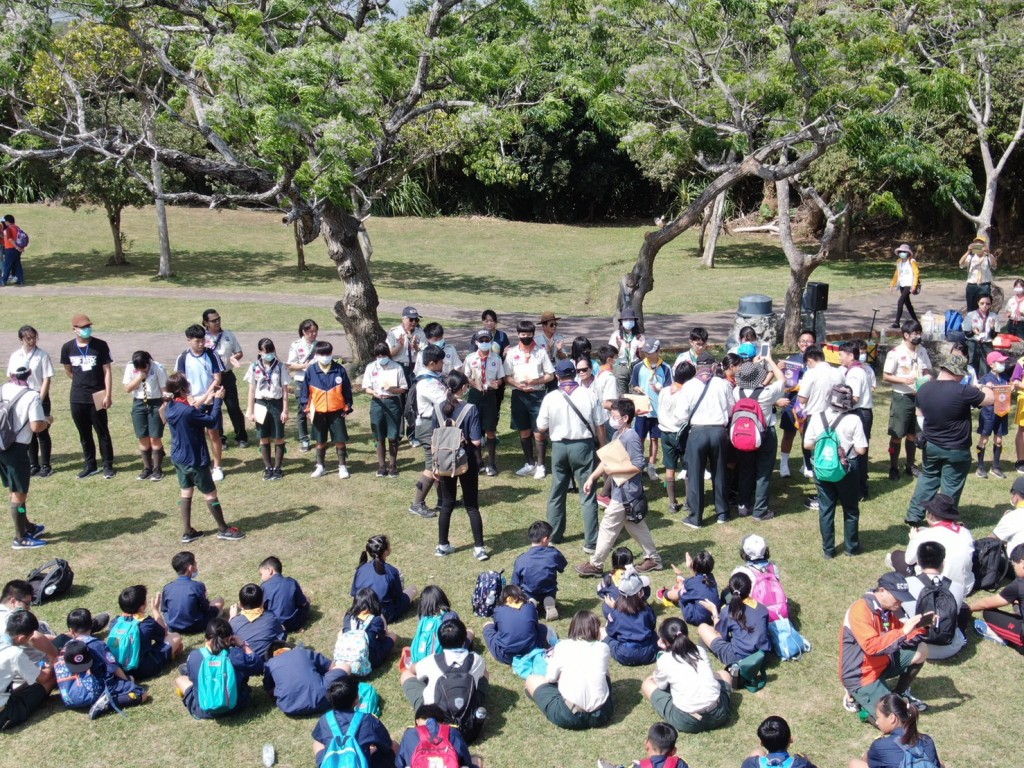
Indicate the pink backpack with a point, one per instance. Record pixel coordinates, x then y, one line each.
768 591
747 423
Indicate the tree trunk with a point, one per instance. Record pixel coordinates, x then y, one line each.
798 277
300 249
714 229
769 202
357 310
988 205
114 219
164 269
845 233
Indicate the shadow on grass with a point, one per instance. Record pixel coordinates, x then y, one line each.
627 696
400 275
104 530
886 540
932 688
499 701
275 517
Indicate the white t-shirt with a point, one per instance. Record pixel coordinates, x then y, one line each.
37 361
1010 528
694 691
16 669
428 670
28 408
900 361
580 668
959 552
816 386
858 379
605 386
850 430
714 409
152 386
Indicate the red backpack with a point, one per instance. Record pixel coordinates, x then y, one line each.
670 762
747 423
434 752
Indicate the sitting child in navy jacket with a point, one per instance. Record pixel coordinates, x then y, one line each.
660 748
250 621
121 690
365 614
283 595
775 737
515 630
609 584
298 678
385 580
742 629
537 569
431 717
690 591
183 602
220 645
631 628
369 732
157 645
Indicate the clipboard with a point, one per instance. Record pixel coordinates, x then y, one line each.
615 454
259 413
389 378
641 402
528 371
97 399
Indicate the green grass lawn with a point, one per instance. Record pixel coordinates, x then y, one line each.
121 532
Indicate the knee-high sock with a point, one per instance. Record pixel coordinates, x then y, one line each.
218 514
185 506
18 517
147 459
527 443
278 455
265 452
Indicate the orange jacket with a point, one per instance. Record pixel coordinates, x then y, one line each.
870 635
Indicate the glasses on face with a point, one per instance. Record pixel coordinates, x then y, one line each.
583 370
552 324
213 320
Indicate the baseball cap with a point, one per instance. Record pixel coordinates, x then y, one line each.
1018 486
954 364
754 546
77 656
483 335
565 367
631 583
747 351
411 313
80 321
21 372
896 585
652 346
995 357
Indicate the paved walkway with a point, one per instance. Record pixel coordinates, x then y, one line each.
849 312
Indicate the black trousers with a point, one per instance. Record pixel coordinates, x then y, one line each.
40 447
231 405
904 301
88 418
706 445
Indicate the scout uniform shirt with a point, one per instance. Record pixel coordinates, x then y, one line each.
375 374
550 346
224 344
299 353
900 361
152 387
518 358
483 372
270 381
451 360
398 337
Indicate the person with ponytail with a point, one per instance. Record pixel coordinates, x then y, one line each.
897 720
684 689
457 412
742 629
384 579
219 639
268 390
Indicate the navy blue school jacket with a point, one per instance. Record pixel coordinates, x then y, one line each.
411 740
185 606
696 590
245 664
259 634
371 732
537 569
283 597
380 644
516 631
387 586
298 679
745 641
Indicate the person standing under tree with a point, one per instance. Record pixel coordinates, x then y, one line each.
907 280
980 263
88 367
40 378
227 348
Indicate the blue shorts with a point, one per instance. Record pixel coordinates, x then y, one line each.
647 425
990 424
787 420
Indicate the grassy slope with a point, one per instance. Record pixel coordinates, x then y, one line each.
122 532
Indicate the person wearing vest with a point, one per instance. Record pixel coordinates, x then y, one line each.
268 391
87 362
907 279
227 348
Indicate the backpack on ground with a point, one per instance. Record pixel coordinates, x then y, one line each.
448 445
9 426
125 642
747 423
434 751
937 597
216 685
487 591
954 323
51 580
991 566
787 643
914 756
767 590
353 648
21 239
830 465
425 642
343 750
77 691
457 694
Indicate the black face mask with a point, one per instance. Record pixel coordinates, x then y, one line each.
915 340
526 340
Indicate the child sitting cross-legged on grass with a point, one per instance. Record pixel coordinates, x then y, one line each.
515 630
775 738
630 631
156 647
689 591
369 733
225 662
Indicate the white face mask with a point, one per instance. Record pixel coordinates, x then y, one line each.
628 325
483 346
615 422
904 255
998 367
863 357
1018 290
324 360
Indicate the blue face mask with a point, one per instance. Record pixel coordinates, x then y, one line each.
86 332
483 346
438 342
269 356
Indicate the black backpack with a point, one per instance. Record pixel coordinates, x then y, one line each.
936 597
51 580
991 565
411 411
457 694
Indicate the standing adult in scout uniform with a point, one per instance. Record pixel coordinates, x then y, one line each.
486 374
904 365
227 348
435 337
404 341
268 397
574 421
980 263
528 369
40 377
28 418
628 341
86 362
906 279
981 327
384 381
300 357
145 380
203 368
552 342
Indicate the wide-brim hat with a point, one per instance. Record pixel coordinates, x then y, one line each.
905 248
941 507
631 583
628 313
548 317
750 375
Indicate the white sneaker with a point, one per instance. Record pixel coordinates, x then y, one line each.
707 474
217 474
343 472
318 472
784 471
539 473
526 470
443 550
807 472
652 472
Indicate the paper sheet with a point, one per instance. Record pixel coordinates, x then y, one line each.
259 413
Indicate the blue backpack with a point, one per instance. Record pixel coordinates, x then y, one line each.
77 691
787 643
125 642
954 323
914 757
216 687
344 751
425 642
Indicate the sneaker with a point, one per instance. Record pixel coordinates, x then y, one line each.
603 501
539 473
912 471
242 443
743 511
89 471
157 475
230 534
607 764
101 706
481 554
491 470
721 519
807 472
998 472
915 702
894 474
422 510
99 622
45 471
649 564
278 474
811 502
304 446
145 474
443 550
652 472
33 470
987 632
769 515
526 470
28 543
550 611
217 474
784 471
343 472
850 704
109 473
192 535
982 472
268 474
691 522
318 472
588 550
382 472
1019 466
414 443
393 472
588 569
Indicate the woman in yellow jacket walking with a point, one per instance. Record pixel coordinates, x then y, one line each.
908 280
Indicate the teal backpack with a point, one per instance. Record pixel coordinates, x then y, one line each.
344 751
425 642
216 687
830 465
125 642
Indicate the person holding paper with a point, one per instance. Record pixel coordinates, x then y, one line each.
486 374
384 380
623 459
528 369
267 405
86 362
144 380
647 380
